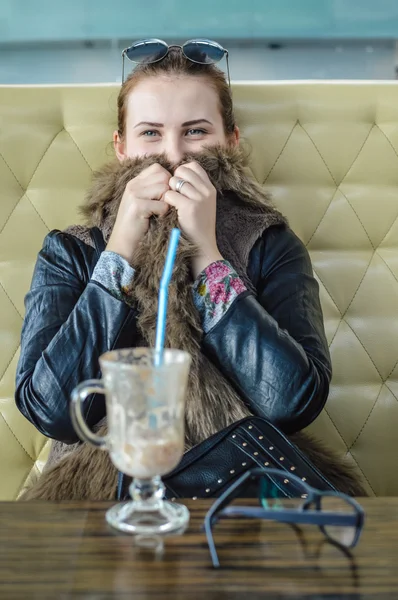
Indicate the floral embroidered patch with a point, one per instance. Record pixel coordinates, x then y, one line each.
215 290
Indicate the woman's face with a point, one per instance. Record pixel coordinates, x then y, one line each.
175 115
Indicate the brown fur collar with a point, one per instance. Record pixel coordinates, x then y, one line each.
244 211
243 207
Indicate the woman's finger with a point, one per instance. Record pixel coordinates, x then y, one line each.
187 189
174 199
187 174
199 170
152 207
153 191
155 172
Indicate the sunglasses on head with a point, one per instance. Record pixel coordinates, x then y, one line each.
201 51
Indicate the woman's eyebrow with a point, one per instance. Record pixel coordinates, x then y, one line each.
186 124
195 122
149 123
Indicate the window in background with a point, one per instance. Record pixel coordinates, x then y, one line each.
81 40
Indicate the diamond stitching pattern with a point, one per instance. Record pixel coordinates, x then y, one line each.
17 201
24 193
79 149
339 195
280 153
337 184
16 437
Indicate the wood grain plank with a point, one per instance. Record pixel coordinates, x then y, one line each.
66 550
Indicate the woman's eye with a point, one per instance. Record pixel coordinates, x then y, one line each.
149 133
196 132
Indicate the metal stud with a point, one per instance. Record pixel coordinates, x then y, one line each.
250 427
173 499
260 437
304 496
271 447
232 471
244 464
219 480
292 468
285 481
194 498
244 444
255 453
266 464
281 458
234 436
303 479
208 490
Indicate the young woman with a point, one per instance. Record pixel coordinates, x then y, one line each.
243 300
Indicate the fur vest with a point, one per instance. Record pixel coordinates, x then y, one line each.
244 212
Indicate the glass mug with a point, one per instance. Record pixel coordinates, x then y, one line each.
145 406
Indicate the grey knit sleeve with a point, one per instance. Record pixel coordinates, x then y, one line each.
114 273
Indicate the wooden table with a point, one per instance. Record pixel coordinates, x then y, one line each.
67 550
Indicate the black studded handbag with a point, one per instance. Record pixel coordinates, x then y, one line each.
210 467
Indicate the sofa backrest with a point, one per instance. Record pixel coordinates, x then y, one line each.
328 154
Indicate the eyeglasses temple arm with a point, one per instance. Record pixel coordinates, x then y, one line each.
226 58
211 544
123 67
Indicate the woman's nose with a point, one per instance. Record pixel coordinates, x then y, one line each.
174 150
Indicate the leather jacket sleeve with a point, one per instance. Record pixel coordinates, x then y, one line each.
273 347
70 321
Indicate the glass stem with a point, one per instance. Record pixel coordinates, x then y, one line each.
147 493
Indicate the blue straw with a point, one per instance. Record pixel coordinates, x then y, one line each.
164 295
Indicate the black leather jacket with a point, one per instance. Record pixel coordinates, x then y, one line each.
271 346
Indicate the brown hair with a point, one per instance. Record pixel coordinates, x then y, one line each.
175 63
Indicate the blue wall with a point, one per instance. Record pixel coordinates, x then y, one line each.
49 20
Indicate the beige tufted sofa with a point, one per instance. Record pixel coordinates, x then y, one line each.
327 152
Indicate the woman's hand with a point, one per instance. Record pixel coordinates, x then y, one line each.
142 198
196 207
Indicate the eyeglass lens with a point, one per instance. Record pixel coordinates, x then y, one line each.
342 535
281 491
202 52
147 51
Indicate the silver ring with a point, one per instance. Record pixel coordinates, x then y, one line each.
179 184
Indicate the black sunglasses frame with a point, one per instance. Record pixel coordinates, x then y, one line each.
201 41
302 515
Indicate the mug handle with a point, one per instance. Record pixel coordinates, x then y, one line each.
79 394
